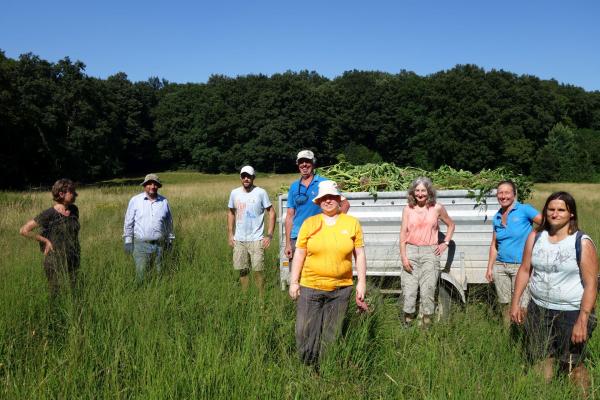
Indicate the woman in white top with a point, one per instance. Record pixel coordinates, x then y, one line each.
563 286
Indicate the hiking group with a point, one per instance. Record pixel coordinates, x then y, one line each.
545 278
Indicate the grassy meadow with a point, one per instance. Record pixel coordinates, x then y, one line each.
190 333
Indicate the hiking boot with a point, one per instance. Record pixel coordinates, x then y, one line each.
407 320
426 322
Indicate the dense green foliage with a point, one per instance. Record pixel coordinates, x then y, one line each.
561 159
190 334
386 177
57 121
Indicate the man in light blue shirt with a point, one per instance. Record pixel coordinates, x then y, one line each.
148 228
245 226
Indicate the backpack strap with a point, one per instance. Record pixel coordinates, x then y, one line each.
578 237
537 236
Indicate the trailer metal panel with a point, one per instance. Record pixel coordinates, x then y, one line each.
465 261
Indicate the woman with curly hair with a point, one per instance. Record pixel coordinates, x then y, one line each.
58 238
420 249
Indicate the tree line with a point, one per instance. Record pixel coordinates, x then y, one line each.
57 121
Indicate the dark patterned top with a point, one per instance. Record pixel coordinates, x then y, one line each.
62 231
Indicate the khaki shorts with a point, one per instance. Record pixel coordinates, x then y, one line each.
246 254
504 280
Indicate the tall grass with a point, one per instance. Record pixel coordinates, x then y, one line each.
190 333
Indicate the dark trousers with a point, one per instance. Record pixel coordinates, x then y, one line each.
319 318
549 334
57 268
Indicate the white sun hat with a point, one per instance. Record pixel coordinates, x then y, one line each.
328 187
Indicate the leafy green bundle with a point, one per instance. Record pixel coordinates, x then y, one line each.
387 177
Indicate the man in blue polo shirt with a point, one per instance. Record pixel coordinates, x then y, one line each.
300 199
512 225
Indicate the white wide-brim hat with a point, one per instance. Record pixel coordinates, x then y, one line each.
328 187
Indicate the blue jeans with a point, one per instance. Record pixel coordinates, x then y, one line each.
145 254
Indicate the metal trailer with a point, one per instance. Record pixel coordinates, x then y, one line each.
465 261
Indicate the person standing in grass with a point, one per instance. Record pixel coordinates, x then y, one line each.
561 265
148 227
59 237
512 225
421 248
300 198
321 277
245 226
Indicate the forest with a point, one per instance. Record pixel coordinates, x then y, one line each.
57 121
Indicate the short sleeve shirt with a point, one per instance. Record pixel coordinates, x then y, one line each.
62 231
328 263
249 213
300 198
512 237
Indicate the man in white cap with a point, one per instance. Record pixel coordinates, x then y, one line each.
245 226
300 199
148 228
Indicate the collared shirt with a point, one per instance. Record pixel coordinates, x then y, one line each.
297 193
512 237
147 220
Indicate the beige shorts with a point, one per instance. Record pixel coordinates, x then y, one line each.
246 254
504 280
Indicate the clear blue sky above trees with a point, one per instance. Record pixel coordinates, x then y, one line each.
187 41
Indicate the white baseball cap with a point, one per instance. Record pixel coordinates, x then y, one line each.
248 170
328 187
307 154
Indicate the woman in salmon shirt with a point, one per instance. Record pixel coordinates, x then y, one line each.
420 249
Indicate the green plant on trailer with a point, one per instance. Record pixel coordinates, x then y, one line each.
388 177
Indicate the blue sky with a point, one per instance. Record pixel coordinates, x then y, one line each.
187 41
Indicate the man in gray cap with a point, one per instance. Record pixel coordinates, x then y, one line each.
148 228
245 226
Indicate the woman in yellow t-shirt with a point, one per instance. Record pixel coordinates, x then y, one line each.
321 277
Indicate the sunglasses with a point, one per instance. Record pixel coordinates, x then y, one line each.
304 161
245 175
